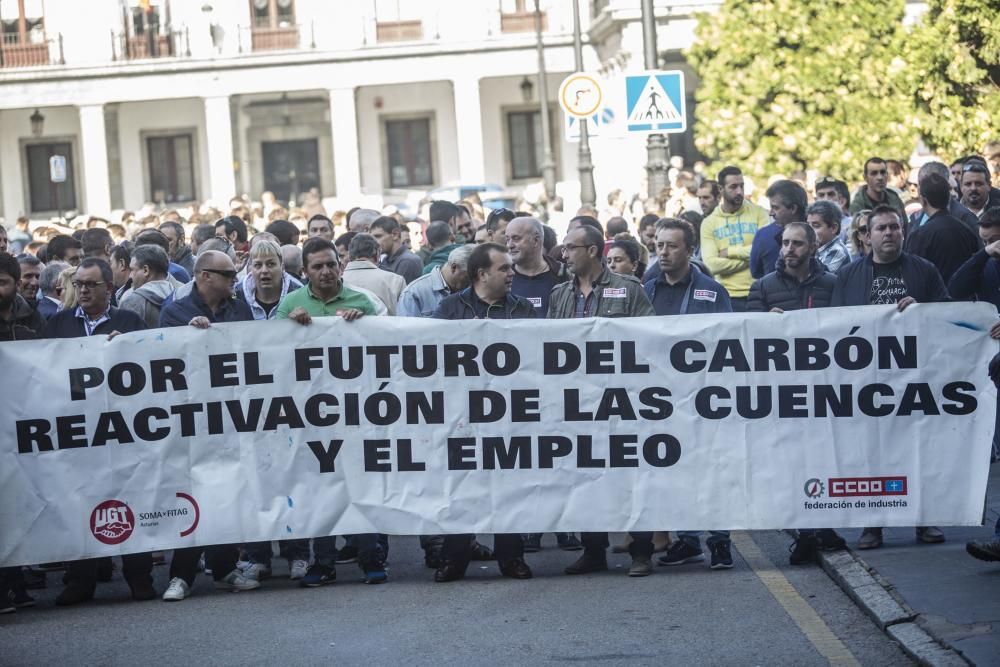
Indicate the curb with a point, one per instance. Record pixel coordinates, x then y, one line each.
877 598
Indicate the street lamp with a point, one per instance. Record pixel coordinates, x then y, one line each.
588 193
37 123
527 89
548 164
657 149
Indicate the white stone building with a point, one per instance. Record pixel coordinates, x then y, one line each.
169 101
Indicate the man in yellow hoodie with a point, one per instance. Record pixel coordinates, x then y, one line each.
727 234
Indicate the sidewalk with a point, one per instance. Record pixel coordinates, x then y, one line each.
946 592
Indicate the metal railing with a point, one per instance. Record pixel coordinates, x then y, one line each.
170 44
33 52
280 38
399 31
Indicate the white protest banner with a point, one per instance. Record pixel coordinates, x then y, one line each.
267 430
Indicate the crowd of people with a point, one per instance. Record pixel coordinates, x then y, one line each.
931 237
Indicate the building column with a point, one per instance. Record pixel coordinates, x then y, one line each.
346 154
219 133
469 125
94 151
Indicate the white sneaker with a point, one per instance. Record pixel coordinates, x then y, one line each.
243 564
298 569
235 581
256 571
177 590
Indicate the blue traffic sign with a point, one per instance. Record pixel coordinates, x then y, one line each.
655 102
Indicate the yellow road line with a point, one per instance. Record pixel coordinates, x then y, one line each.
812 626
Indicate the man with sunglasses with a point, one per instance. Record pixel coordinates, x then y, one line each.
95 316
875 192
212 299
496 225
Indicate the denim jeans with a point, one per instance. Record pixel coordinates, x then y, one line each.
693 537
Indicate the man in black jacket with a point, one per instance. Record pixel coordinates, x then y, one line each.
95 316
889 276
18 320
488 297
800 280
942 240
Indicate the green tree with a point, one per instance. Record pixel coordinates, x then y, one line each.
953 57
801 84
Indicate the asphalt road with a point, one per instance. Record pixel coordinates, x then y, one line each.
761 612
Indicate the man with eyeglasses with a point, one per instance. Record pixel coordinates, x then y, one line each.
875 192
595 291
95 316
212 299
889 276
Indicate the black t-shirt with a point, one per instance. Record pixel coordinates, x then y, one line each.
268 307
888 286
535 289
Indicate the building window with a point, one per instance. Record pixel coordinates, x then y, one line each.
524 143
519 16
398 21
145 34
22 40
273 13
171 168
409 150
44 195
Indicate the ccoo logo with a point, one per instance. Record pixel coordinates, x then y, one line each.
813 488
112 522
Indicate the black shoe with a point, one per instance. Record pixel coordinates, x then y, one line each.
20 598
480 552
722 559
142 590
515 569
589 561
988 551
432 558
105 569
349 554
803 550
532 542
827 539
569 542
450 572
681 552
74 594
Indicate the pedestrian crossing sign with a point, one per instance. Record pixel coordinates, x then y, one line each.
655 102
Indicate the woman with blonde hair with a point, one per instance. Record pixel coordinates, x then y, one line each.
68 296
860 246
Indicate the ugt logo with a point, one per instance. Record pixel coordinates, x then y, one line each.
112 522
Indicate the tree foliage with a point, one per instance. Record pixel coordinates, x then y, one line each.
953 70
797 84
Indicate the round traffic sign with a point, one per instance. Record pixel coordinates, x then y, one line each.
580 95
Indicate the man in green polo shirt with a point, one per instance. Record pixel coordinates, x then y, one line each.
326 293
323 296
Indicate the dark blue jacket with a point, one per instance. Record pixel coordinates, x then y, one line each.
182 311
978 279
46 307
466 305
179 272
854 281
65 324
714 299
765 250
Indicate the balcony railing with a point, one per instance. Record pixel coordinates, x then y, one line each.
44 51
171 44
281 38
399 31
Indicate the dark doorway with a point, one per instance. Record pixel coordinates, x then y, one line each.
291 168
45 195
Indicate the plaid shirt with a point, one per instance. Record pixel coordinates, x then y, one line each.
90 325
834 255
